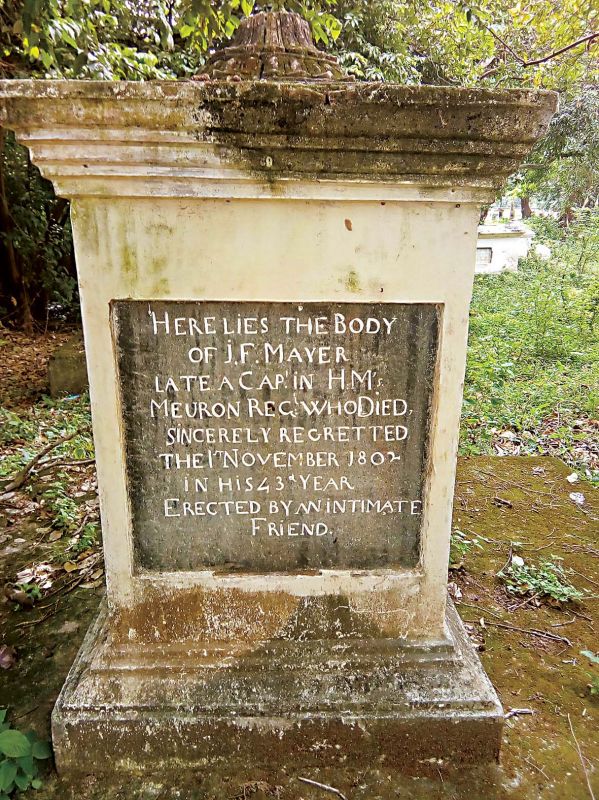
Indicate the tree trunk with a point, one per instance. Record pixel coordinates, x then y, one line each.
14 280
56 215
483 213
526 209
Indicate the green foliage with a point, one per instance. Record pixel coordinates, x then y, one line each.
371 46
14 428
115 39
63 507
534 346
547 580
29 434
19 754
66 516
87 539
566 160
34 429
450 41
460 545
39 234
454 41
31 589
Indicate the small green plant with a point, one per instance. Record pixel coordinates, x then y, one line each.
64 509
19 754
30 589
86 540
13 427
594 659
460 546
49 421
547 580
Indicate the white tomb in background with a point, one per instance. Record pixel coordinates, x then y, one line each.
499 248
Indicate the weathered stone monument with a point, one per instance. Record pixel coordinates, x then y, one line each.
275 267
67 368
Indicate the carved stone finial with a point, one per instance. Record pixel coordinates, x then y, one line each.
275 46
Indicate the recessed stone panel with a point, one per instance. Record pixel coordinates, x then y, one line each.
269 437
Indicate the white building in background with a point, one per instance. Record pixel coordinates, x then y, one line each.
500 247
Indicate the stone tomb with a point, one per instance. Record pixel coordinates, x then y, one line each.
275 279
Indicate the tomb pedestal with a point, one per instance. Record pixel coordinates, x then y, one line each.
347 698
225 639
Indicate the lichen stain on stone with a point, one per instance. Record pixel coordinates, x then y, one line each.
84 219
158 264
241 617
285 119
327 617
128 263
352 282
280 131
162 232
197 614
160 288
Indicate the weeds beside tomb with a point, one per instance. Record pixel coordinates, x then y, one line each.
532 381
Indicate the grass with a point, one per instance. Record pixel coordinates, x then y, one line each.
533 357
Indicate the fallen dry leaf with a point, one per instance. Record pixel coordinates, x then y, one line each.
8 656
22 598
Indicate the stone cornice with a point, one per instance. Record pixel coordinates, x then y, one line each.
264 139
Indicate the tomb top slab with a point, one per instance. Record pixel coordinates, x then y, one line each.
271 138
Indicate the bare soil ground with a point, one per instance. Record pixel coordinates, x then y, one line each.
531 649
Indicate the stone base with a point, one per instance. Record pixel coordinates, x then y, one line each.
294 703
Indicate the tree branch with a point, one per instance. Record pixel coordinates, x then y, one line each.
536 61
21 477
505 44
325 787
582 761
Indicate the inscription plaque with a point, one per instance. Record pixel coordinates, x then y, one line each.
275 436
